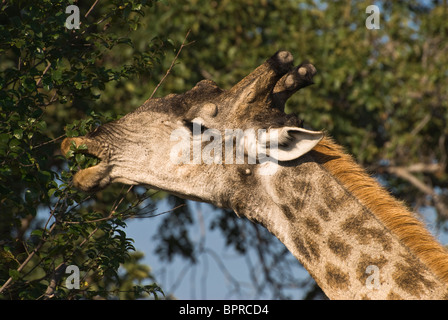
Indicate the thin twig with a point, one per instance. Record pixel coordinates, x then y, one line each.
172 64
39 246
31 255
114 208
55 278
91 8
159 214
45 71
112 217
27 260
51 141
53 99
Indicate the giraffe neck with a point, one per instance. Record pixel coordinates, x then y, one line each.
348 246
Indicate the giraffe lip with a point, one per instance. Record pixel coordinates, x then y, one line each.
85 146
66 145
94 172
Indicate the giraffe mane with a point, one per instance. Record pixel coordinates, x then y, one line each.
393 213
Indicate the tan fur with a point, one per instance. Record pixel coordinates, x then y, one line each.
393 213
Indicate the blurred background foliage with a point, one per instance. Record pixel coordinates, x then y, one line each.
382 94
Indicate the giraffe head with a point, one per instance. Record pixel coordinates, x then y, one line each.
238 149
207 143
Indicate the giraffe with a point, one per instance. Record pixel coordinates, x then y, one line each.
353 237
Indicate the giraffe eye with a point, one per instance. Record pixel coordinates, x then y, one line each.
195 126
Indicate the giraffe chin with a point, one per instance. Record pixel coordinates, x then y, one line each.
92 179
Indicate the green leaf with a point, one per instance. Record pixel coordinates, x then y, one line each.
14 274
51 191
82 147
37 232
69 154
42 125
18 134
80 158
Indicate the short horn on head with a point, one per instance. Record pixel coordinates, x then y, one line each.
296 79
259 84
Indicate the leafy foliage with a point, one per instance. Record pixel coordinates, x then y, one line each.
51 75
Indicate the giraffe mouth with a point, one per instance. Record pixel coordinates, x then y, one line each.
93 151
94 168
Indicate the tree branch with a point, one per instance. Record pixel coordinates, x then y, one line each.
110 217
27 260
43 73
91 8
55 278
184 44
406 174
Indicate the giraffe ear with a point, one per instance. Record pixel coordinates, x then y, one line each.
293 142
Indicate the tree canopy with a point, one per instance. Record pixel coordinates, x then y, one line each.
381 93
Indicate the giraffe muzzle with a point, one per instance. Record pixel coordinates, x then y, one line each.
92 178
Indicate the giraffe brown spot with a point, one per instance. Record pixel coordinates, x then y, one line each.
333 202
301 247
307 247
313 247
299 203
323 213
409 276
365 261
303 188
287 212
354 225
335 277
381 236
338 246
313 225
394 296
